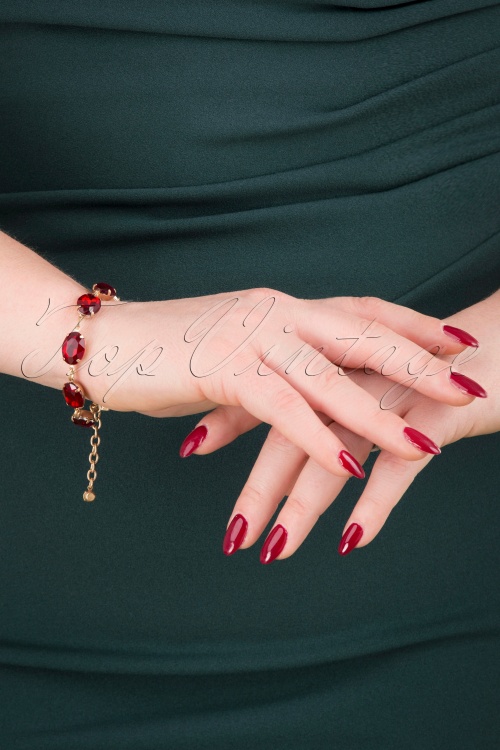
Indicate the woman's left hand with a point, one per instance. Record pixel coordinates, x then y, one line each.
282 469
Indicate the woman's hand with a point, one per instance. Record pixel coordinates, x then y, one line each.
272 354
177 357
282 469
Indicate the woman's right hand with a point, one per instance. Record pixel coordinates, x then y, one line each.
277 356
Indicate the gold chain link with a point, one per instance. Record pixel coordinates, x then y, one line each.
95 440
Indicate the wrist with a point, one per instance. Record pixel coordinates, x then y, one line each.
42 361
84 351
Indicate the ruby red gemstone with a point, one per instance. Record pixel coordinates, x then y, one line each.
105 289
73 347
84 418
89 304
73 395
84 422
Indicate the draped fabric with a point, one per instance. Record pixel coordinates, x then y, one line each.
178 149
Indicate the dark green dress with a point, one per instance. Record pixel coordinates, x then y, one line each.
178 149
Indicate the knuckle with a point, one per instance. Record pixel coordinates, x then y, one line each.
252 495
368 305
382 419
392 465
331 380
287 400
277 441
382 504
301 507
263 292
378 500
366 325
336 389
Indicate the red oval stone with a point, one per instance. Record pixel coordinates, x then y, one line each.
89 304
106 291
83 422
84 418
73 347
74 395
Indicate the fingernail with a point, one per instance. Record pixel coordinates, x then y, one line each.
274 544
350 539
235 534
349 462
193 441
421 441
462 336
467 385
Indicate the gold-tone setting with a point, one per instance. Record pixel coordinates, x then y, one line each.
85 414
71 379
92 415
104 297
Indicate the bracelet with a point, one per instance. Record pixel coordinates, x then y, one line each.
73 349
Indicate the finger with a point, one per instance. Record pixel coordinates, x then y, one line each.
389 479
350 405
273 474
313 493
425 330
366 343
280 405
217 429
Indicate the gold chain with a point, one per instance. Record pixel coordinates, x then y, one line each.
95 440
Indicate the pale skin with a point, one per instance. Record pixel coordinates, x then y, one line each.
283 470
218 352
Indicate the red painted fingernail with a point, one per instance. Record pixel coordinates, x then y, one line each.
467 385
235 534
462 336
350 539
193 441
421 441
349 462
274 544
